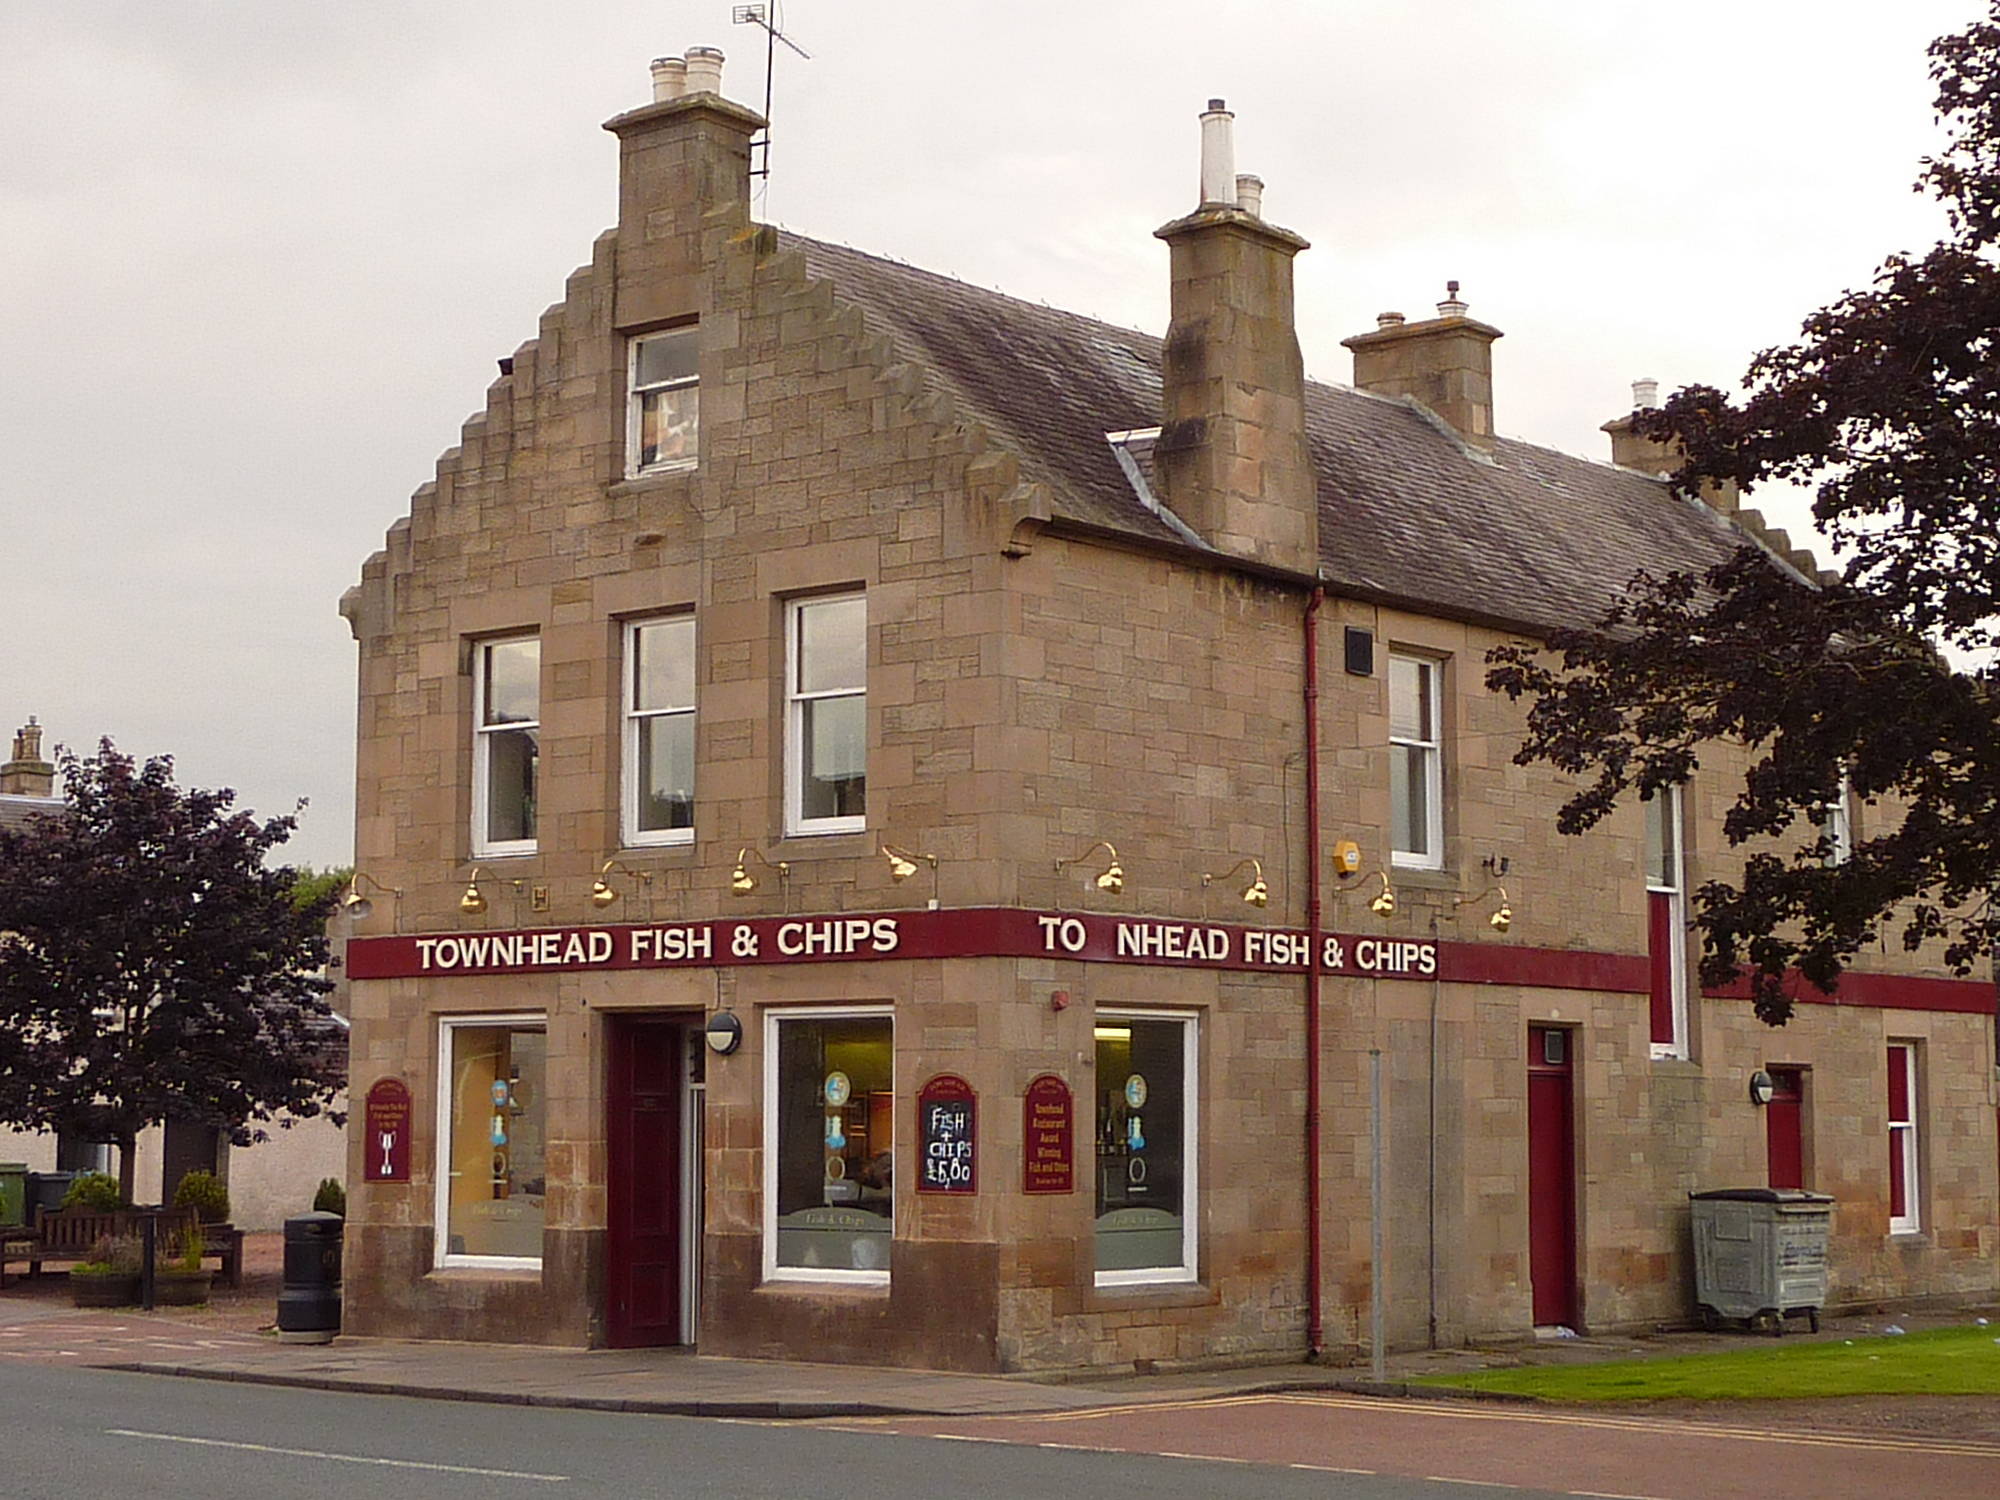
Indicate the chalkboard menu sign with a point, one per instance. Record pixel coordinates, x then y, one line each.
1048 1134
947 1136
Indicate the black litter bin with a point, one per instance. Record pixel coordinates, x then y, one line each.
309 1302
45 1190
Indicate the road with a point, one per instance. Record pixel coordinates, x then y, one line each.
73 1432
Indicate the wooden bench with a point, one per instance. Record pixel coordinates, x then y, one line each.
70 1234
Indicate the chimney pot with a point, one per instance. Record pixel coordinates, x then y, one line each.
1451 307
1645 394
1389 320
704 70
1218 157
669 78
1250 194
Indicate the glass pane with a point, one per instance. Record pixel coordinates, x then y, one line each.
1410 800
1410 699
1663 840
835 1135
511 758
497 1173
1141 1144
663 665
835 772
668 423
667 356
513 687
833 645
666 773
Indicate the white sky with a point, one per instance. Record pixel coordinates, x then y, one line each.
257 259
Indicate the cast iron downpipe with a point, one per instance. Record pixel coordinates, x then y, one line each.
1315 1343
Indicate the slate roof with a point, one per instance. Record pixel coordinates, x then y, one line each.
1409 513
15 811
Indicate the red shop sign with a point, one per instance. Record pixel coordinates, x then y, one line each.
385 1155
1048 1137
947 1136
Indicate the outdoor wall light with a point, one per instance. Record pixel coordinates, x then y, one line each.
1347 864
903 864
1762 1087
603 893
357 907
1256 893
1112 881
1503 914
473 902
1384 905
724 1033
742 882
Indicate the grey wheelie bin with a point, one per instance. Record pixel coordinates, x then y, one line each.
1760 1255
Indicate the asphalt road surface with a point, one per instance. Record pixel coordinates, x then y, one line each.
70 1434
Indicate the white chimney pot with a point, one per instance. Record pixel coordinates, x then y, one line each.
704 70
669 78
1645 394
1218 157
1250 194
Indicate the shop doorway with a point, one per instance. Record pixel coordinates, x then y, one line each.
653 1183
1551 1177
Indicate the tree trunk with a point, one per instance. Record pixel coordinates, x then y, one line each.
127 1167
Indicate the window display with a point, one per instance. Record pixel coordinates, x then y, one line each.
1145 1148
830 1174
494 1177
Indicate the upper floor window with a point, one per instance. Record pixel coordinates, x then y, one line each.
1838 827
663 426
826 714
1903 1215
659 731
1666 922
506 744
1416 764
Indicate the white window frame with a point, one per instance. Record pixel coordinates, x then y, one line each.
1190 1267
1431 678
773 1019
1911 1220
1671 820
441 1257
1838 829
629 793
635 402
796 823
482 733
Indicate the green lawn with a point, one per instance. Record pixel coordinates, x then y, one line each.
1943 1362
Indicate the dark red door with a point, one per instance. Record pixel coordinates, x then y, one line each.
1551 1177
1784 1128
643 1239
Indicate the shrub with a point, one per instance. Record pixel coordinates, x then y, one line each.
331 1198
113 1255
204 1193
94 1192
188 1247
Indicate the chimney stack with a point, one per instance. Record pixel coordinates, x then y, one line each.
27 774
1630 450
1445 362
683 169
1231 458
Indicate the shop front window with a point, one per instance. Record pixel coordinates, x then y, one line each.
1146 1203
829 1132
492 1124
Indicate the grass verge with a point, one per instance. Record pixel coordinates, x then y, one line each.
1942 1362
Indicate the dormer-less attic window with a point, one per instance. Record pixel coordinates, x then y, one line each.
662 427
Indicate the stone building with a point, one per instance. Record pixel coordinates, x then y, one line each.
1050 765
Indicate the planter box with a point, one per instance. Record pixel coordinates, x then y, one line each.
178 1288
87 1290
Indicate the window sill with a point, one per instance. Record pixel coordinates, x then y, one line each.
488 856
1909 1239
654 479
499 1270
1150 1294
806 1283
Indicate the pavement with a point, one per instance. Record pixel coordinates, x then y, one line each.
231 1340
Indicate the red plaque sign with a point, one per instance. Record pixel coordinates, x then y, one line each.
948 1136
385 1139
1048 1137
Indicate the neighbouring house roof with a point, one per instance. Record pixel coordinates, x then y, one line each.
1410 514
16 811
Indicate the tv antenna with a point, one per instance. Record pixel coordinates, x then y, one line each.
772 19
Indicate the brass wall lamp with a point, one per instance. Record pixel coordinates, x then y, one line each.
1503 915
742 882
1112 881
473 902
903 864
1347 866
1256 893
356 907
603 893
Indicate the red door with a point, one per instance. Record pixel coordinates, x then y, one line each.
1784 1128
643 1239
1551 1177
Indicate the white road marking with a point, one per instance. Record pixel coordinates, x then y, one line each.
1331 1469
338 1458
1607 1495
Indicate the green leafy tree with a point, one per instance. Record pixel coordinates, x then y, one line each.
1888 406
151 966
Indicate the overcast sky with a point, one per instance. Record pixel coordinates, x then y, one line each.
257 259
